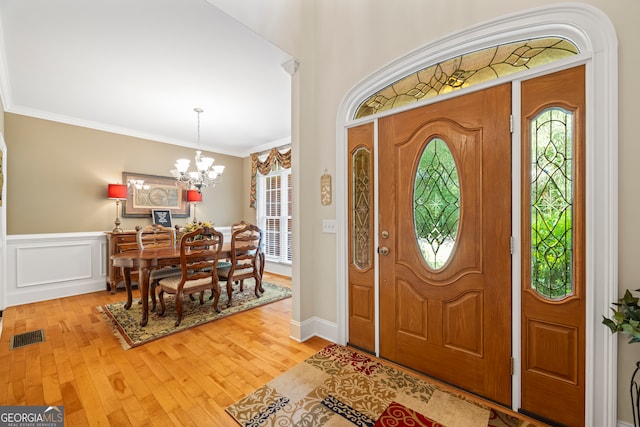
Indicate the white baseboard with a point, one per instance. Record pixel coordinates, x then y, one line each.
277 268
313 327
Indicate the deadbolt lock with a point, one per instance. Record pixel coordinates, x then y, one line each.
385 234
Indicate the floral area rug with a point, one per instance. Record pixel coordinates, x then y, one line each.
126 323
341 387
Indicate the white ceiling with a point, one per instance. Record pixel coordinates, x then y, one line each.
139 67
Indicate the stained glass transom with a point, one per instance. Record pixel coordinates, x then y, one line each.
467 70
361 205
436 203
552 203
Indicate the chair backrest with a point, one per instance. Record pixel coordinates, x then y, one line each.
199 253
155 235
246 243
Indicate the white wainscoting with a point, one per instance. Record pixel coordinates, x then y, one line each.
47 266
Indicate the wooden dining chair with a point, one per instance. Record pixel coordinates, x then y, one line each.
199 254
240 225
245 262
157 236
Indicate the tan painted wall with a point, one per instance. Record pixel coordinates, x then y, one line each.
57 176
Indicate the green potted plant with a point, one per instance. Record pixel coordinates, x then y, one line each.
626 317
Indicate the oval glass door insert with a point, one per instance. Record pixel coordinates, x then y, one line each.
436 203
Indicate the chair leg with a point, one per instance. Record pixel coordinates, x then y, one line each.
261 270
229 292
179 297
162 304
258 286
215 293
152 292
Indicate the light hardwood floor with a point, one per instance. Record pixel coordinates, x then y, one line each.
185 380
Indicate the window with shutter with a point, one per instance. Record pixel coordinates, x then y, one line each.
274 213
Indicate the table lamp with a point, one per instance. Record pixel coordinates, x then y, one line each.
194 196
117 192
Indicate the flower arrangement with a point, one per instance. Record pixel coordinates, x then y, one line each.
192 226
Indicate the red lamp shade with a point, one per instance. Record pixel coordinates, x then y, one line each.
194 196
117 191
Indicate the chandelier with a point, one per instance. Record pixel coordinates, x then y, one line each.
205 175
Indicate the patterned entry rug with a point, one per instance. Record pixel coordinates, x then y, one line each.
341 387
126 323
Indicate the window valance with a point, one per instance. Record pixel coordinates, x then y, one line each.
264 167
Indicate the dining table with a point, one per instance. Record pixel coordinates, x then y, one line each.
144 260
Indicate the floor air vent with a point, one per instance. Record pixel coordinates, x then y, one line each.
27 338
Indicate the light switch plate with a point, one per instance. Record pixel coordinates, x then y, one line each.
329 226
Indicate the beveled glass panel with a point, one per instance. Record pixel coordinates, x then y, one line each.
436 203
361 205
467 70
552 203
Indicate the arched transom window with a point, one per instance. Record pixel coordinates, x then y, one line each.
467 70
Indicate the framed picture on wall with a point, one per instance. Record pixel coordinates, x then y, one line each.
162 217
149 192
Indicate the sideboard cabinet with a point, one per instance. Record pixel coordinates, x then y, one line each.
117 242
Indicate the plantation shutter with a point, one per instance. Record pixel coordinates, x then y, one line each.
274 208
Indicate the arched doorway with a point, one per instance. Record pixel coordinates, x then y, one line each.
592 31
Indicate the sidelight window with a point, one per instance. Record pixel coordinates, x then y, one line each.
361 205
552 203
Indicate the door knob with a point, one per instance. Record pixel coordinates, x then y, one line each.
383 250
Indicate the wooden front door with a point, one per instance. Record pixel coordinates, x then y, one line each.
553 247
451 318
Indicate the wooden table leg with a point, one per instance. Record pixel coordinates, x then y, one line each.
143 284
126 272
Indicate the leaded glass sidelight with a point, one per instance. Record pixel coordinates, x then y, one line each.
361 205
552 203
467 70
436 203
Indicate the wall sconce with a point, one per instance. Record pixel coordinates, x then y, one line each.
194 196
117 192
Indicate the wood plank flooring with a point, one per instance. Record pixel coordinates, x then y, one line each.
185 379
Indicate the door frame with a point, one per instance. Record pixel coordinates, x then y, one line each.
592 31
